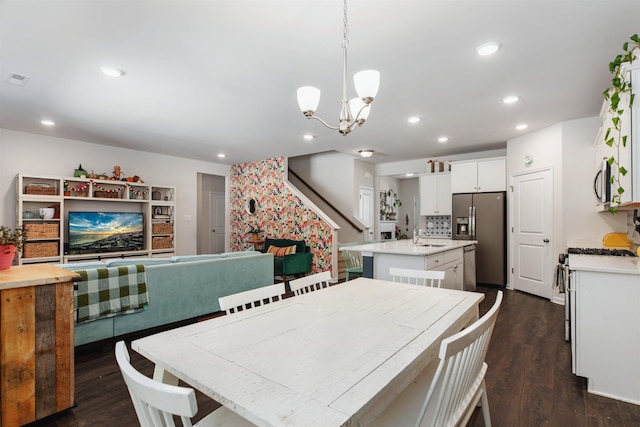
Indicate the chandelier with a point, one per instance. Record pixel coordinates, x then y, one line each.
353 112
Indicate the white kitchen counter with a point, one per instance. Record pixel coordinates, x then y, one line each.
605 264
431 254
406 247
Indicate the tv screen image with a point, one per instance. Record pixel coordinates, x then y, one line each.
106 231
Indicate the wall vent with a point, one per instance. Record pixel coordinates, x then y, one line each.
17 79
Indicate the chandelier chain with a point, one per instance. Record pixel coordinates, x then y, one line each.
345 30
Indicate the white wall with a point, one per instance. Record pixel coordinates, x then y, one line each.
568 148
22 152
331 174
581 222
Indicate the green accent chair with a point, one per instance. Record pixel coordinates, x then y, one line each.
353 261
293 264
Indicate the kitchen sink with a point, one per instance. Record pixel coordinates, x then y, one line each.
431 245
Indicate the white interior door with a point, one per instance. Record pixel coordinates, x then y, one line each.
532 232
216 223
366 211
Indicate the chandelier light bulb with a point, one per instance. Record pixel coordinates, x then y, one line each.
367 83
308 99
359 110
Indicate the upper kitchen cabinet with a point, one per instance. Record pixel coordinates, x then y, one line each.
435 194
479 176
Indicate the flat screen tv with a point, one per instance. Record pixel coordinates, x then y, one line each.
105 231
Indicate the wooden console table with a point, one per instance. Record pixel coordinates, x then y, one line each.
36 342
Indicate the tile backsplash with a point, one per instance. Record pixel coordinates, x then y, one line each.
437 226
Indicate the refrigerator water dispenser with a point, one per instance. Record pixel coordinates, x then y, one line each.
462 226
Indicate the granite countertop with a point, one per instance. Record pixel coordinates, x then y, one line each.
406 246
605 264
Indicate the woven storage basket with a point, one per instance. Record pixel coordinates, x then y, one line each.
40 250
163 228
162 243
40 190
107 194
42 231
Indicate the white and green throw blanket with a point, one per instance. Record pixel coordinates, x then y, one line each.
106 292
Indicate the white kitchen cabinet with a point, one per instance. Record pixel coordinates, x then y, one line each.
479 176
451 262
605 322
435 194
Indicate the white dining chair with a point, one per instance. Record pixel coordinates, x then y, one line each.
156 403
251 298
310 283
417 277
446 393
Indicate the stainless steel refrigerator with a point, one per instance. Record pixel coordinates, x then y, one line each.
482 217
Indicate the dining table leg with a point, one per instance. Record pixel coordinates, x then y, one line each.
164 376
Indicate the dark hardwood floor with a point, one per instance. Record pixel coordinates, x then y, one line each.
529 381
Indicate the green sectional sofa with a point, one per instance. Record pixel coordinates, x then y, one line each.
179 288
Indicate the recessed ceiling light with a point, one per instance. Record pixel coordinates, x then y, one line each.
47 122
308 137
413 119
112 72
222 155
489 48
409 174
443 139
522 126
366 153
510 99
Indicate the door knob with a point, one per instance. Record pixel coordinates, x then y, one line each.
546 240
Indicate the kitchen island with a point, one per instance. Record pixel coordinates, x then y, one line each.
604 296
429 254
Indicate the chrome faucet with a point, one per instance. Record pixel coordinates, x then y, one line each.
418 235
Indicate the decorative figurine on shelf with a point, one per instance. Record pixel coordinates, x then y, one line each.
116 172
80 173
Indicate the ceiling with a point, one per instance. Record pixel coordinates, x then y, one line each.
209 77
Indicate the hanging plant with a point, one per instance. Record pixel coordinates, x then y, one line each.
620 98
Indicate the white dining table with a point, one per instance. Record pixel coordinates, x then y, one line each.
333 357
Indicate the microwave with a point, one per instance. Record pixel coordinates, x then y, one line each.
602 182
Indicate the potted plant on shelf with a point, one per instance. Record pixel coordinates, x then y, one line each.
11 240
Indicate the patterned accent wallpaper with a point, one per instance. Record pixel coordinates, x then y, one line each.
279 213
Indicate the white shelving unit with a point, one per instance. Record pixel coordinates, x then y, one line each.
47 238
